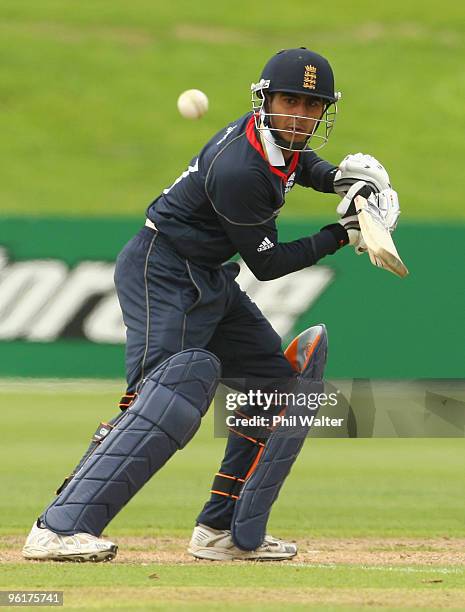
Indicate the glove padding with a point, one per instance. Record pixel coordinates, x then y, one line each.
387 201
349 220
360 167
352 226
388 204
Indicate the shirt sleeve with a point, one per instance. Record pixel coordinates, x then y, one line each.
312 171
244 210
268 258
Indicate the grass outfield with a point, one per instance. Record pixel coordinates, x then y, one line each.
88 90
269 586
378 522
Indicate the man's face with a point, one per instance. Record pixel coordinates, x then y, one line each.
304 111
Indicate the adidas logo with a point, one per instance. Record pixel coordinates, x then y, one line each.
266 244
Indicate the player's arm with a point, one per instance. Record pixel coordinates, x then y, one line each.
243 209
314 172
268 258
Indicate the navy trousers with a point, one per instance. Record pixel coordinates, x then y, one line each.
170 304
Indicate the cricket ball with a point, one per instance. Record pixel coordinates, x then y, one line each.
192 104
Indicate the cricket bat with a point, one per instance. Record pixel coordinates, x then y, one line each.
381 248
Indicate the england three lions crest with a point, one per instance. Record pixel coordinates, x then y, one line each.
310 77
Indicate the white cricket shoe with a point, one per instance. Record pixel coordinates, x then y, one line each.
46 545
217 545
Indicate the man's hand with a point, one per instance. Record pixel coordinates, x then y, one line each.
360 167
388 204
386 201
346 206
349 219
352 226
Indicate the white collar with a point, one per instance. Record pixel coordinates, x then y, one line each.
273 152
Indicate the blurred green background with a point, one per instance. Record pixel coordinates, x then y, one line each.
88 95
89 128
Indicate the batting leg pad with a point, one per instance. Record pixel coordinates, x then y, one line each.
307 353
164 417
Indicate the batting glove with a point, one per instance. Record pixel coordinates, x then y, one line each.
352 226
388 204
360 167
349 219
387 201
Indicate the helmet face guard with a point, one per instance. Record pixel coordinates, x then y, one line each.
299 72
264 123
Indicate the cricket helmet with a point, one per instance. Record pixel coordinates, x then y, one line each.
298 71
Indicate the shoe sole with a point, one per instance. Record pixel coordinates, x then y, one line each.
102 556
215 555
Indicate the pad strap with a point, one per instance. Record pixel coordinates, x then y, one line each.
227 485
127 400
102 432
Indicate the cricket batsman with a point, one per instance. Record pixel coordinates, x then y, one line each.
190 325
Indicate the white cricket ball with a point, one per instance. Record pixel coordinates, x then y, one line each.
192 104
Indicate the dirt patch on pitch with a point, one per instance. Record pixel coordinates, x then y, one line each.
352 551
399 551
359 551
